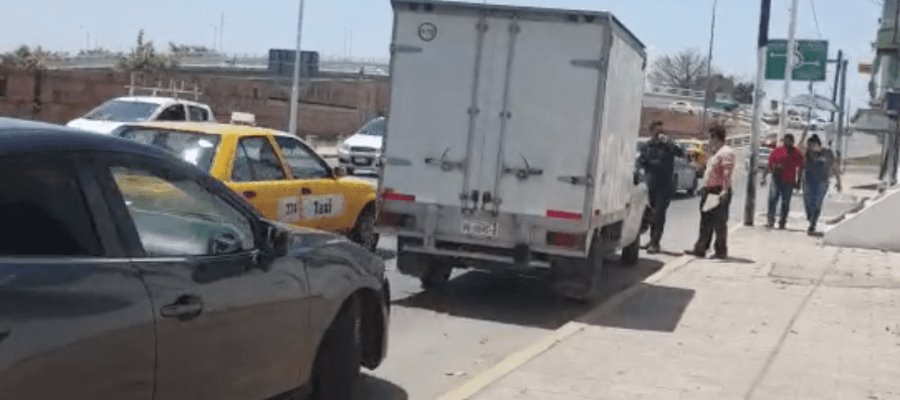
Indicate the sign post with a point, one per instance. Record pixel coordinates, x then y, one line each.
810 60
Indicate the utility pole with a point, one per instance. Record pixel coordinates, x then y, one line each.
295 85
837 81
842 147
221 33
788 69
756 124
712 38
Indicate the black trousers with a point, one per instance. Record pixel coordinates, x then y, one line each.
714 222
660 198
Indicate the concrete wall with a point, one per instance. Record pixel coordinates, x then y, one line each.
329 106
876 226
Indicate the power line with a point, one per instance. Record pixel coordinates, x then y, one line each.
812 4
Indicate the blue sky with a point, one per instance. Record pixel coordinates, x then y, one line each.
253 27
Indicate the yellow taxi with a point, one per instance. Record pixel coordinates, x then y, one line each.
696 152
276 172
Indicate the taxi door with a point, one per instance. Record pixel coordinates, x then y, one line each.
322 203
258 175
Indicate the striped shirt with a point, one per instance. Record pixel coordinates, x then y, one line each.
719 168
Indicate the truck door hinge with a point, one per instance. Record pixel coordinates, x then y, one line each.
403 48
593 64
578 180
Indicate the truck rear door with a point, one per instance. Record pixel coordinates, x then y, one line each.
495 111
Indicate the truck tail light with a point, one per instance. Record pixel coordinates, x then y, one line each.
567 240
391 195
564 215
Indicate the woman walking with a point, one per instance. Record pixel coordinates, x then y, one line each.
821 164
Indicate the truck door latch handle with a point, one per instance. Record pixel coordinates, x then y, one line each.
523 173
443 163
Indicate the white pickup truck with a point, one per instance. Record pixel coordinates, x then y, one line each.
511 142
122 110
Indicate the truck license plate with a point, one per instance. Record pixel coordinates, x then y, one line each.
479 229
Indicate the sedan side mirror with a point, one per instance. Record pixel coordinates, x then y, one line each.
339 171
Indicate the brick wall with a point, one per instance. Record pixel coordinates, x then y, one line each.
329 106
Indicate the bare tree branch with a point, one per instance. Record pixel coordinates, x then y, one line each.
685 69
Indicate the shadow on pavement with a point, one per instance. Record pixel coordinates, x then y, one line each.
519 300
738 260
373 388
651 308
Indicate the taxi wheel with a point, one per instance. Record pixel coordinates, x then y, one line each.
364 233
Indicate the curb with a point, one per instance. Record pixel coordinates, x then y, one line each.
517 359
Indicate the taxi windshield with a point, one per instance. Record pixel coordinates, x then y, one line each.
195 148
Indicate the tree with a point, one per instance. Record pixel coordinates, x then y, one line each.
29 58
143 57
743 92
685 69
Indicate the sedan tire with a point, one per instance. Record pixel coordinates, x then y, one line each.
339 357
364 233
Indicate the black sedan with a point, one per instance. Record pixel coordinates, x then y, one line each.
126 273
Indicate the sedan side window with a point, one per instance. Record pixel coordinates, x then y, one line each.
173 113
303 162
43 213
198 113
255 161
179 217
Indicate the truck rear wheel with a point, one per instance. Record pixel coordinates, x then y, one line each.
581 279
631 253
431 271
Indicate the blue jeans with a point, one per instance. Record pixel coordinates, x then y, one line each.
814 192
779 192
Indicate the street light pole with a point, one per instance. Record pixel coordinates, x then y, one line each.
756 124
712 38
788 69
295 85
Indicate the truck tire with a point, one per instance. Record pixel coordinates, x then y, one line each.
432 272
631 253
581 279
339 356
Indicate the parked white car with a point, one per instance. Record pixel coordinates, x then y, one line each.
121 110
361 151
681 107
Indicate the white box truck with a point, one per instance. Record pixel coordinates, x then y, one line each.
511 142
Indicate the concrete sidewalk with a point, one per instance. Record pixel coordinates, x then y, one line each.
784 319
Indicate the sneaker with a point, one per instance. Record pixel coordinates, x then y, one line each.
811 231
653 249
720 256
770 225
782 227
695 253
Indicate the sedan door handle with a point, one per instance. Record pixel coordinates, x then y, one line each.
305 190
186 307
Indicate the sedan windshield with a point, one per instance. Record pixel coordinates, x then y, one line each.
123 111
375 127
195 148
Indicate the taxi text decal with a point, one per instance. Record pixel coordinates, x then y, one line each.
289 209
322 206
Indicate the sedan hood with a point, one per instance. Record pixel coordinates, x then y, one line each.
105 127
359 140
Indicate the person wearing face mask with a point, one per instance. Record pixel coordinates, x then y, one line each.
820 166
785 163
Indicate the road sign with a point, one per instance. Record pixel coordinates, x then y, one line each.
810 60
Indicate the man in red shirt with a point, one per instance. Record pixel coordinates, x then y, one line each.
785 163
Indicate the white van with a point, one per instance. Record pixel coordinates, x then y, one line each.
511 141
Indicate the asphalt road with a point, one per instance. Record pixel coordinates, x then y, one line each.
439 339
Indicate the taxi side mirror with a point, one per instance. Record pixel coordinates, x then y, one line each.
339 172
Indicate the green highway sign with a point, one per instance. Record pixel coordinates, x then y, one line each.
810 60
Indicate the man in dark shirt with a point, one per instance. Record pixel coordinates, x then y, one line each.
658 161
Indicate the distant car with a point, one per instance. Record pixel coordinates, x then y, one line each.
819 124
684 176
681 107
276 172
174 289
122 110
796 122
362 151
